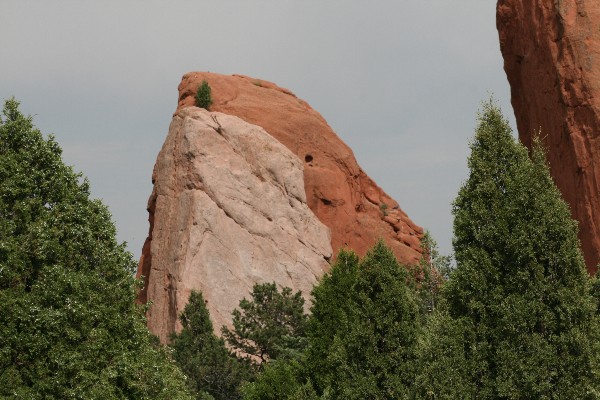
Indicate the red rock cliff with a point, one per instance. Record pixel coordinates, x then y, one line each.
259 189
228 210
343 197
551 53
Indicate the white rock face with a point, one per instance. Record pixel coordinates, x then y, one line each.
228 210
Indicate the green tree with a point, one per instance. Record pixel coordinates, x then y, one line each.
374 357
330 315
69 326
520 321
203 96
280 380
202 356
270 326
363 336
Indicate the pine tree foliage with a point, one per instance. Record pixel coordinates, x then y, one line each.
520 321
330 313
270 326
280 380
204 96
368 344
69 328
211 369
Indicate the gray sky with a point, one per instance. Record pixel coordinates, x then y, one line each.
399 81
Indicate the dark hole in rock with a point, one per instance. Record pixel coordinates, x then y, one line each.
308 158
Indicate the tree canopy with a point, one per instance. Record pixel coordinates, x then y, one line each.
211 369
520 321
269 326
69 326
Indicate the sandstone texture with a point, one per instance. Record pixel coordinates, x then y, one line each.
228 210
551 53
343 197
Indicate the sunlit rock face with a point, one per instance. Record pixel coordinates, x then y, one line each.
228 210
356 210
258 189
551 53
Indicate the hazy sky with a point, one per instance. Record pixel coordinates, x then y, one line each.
399 81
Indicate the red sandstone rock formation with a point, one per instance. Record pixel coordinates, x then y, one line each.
356 210
551 53
235 205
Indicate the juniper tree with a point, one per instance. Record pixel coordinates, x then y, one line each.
203 96
364 328
211 369
69 326
519 322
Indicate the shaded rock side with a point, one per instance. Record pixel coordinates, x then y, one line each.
551 53
356 210
228 210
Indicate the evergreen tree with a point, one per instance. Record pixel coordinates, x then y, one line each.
432 271
280 380
203 96
520 322
69 327
330 315
270 326
365 331
202 356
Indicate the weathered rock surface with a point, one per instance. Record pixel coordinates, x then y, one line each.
356 210
228 210
551 53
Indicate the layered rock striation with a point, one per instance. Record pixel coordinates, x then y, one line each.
356 210
551 53
228 210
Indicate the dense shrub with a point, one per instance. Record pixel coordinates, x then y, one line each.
203 96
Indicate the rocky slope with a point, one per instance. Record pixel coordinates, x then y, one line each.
356 210
228 210
551 53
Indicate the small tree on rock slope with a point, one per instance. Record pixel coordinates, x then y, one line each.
203 96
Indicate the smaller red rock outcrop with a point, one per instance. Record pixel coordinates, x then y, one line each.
551 53
343 197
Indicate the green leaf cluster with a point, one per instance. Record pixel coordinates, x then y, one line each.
69 327
368 348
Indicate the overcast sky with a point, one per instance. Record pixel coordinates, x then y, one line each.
399 81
